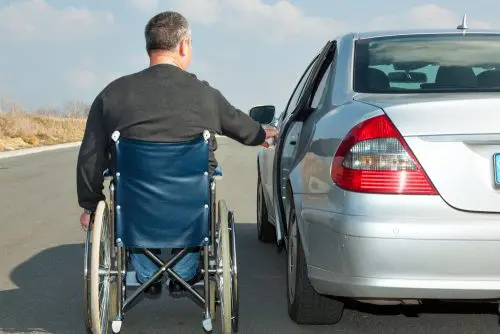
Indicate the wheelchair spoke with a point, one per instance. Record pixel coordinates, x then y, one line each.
104 310
105 241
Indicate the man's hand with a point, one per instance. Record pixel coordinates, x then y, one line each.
85 220
271 133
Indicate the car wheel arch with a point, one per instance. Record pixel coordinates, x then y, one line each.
266 198
301 224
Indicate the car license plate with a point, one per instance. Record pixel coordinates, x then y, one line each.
496 167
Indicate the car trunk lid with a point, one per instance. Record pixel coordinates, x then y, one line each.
455 138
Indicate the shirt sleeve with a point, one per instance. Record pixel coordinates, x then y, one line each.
92 159
237 125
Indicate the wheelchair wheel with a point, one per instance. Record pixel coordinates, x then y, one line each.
224 265
86 276
103 297
234 274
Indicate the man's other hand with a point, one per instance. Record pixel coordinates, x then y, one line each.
85 220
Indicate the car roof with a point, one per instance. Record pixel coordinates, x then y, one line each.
383 33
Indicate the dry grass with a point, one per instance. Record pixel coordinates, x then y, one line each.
23 130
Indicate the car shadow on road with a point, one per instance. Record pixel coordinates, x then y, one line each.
49 297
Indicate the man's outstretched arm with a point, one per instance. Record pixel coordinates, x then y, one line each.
239 126
92 159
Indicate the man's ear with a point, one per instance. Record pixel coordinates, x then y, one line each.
183 47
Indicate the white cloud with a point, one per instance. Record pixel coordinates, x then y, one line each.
201 11
145 5
425 16
282 21
285 22
38 20
279 22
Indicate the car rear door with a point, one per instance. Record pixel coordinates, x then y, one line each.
290 130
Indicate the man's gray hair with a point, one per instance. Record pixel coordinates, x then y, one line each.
165 31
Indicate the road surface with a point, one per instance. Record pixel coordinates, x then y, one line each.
41 256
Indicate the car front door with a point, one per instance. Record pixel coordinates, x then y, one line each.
268 154
290 129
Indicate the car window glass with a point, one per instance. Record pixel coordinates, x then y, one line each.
321 88
427 64
298 90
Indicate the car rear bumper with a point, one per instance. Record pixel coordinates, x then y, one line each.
405 258
378 268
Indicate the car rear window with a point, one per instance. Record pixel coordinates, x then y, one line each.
427 64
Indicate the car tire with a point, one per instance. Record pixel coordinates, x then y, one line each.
265 230
305 305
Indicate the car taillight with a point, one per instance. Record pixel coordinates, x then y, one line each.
374 158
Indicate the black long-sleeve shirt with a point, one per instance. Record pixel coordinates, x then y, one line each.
160 103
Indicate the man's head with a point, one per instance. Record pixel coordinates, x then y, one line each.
168 38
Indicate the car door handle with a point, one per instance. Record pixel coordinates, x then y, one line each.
293 142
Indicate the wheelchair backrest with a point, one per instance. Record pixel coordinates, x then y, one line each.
162 193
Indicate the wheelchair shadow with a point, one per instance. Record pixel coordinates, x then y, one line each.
49 293
49 297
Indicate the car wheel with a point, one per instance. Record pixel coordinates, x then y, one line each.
265 230
305 305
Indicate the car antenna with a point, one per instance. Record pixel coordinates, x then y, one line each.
463 26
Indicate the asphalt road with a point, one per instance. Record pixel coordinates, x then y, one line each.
41 256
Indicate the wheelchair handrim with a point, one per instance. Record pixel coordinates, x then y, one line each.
100 307
224 263
86 283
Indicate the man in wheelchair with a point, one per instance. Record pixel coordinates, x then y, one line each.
170 109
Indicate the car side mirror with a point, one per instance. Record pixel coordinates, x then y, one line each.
263 114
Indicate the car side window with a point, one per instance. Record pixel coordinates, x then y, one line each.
297 93
325 78
320 90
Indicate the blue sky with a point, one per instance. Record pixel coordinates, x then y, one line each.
52 51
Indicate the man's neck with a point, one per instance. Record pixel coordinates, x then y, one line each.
164 59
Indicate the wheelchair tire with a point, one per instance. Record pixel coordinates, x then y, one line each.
86 279
103 311
224 264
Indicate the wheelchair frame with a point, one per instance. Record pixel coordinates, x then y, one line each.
219 267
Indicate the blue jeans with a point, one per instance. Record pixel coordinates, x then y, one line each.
186 267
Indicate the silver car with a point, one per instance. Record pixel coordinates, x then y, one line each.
384 184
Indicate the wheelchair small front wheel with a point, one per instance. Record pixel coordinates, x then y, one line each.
224 279
103 303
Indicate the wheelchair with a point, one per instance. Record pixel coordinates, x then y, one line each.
160 197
